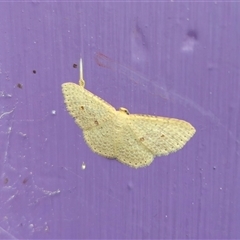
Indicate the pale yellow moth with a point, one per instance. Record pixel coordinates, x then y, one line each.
130 138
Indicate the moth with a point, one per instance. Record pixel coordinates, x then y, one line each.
132 139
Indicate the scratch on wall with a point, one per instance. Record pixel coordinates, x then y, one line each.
46 193
8 133
4 234
6 113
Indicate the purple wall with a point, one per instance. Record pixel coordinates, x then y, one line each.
169 59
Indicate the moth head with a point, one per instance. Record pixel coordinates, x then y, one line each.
123 110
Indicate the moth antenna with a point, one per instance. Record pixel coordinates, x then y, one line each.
81 81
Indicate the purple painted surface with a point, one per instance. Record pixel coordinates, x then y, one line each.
170 59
